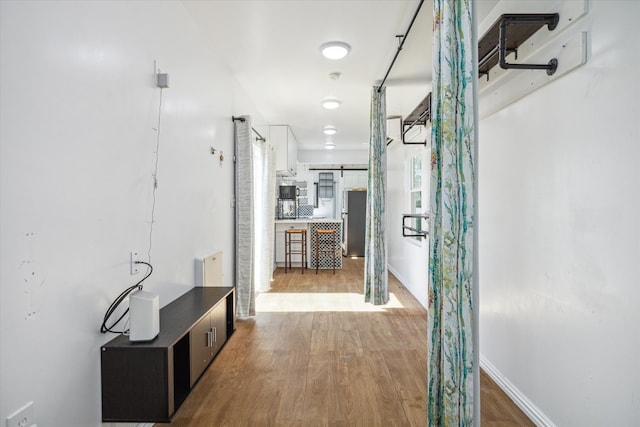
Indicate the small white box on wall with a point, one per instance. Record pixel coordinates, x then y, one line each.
208 270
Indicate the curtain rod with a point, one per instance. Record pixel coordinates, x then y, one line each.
242 119
259 137
404 38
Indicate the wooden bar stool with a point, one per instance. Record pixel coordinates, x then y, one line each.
291 249
326 244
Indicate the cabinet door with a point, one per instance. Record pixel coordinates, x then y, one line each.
219 327
292 152
279 236
200 340
279 243
278 137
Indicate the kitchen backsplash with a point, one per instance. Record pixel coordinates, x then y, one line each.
305 210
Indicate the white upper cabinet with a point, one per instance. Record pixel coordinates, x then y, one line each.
286 149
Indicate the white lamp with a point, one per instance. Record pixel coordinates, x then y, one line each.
330 130
331 103
335 50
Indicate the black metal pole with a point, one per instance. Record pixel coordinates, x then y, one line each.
241 119
259 137
415 15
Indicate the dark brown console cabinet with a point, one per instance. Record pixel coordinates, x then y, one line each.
148 381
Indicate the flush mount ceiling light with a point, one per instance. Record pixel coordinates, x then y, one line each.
331 103
329 145
330 130
335 50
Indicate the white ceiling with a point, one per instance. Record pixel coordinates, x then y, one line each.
272 47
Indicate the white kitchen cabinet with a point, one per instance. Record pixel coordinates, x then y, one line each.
354 179
279 236
286 147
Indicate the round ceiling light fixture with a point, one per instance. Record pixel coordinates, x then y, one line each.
331 103
335 50
329 145
330 130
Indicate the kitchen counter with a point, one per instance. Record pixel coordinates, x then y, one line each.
311 225
305 220
292 221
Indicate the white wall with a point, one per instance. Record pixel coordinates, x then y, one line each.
407 258
78 111
313 157
559 233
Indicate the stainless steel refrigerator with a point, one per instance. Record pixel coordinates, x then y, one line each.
354 218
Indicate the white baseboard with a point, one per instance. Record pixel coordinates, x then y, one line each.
403 282
532 411
396 274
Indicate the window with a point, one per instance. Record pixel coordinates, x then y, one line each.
415 190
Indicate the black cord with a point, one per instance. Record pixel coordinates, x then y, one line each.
114 305
155 178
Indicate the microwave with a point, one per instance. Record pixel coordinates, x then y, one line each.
288 192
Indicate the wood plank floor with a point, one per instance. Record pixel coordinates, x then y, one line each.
316 355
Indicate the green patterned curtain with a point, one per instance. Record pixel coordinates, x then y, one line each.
450 320
376 281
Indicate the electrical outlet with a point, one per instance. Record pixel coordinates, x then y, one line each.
23 417
133 257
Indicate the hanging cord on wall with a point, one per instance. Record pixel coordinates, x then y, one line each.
155 178
114 305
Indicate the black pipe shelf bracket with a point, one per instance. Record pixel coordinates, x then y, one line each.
414 231
420 116
496 44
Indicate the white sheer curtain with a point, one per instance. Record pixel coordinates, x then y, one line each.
264 213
